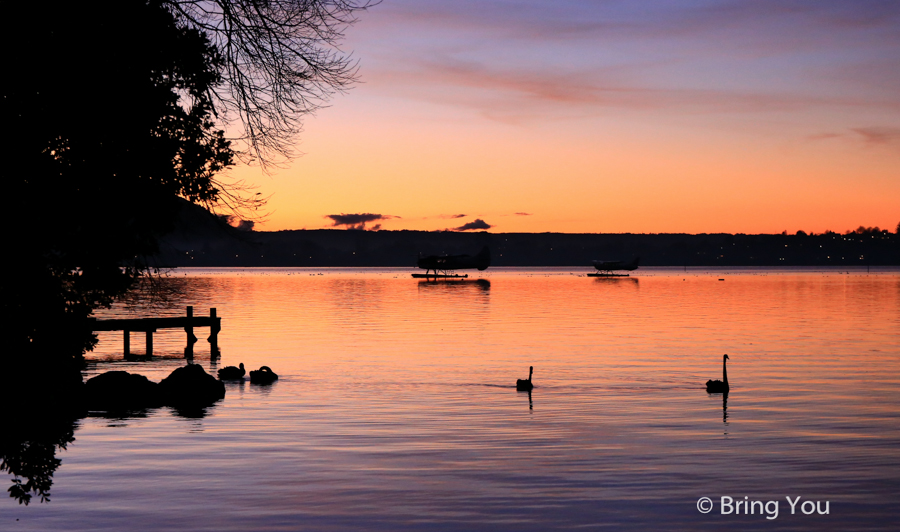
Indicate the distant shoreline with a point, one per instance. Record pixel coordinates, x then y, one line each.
210 246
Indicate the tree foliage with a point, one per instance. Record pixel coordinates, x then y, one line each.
114 110
112 120
867 231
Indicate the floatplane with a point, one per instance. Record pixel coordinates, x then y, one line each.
445 266
606 268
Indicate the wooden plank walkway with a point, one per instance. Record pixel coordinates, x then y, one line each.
150 325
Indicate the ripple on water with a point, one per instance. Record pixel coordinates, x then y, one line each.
396 409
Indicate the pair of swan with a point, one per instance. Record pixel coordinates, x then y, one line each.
263 375
712 386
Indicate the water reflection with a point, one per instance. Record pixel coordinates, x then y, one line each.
432 444
192 412
618 281
120 418
166 291
136 357
725 408
455 284
530 404
264 390
348 295
28 446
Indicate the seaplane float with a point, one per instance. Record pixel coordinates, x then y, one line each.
607 268
445 266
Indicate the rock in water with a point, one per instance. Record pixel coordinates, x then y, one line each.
120 390
191 386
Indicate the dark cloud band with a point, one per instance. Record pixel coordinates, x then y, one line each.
358 220
474 226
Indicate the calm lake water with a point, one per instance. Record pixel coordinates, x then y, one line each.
397 409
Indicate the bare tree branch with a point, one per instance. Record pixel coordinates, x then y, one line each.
281 60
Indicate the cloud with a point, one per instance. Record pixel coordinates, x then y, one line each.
509 94
878 134
458 215
571 58
523 214
358 221
237 223
245 225
759 22
473 226
824 136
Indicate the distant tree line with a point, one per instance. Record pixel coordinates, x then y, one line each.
861 230
209 246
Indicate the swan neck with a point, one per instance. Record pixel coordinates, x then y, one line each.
725 370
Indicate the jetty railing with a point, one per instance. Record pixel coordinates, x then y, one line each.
150 325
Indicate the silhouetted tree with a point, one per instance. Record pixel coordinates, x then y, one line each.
114 110
280 61
868 231
111 120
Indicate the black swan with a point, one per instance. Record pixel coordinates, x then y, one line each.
231 373
524 385
263 375
719 386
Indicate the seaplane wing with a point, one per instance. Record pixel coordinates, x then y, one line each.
481 261
611 265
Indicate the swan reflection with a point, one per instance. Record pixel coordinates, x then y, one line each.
725 408
725 412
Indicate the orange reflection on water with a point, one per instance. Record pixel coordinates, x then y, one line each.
397 397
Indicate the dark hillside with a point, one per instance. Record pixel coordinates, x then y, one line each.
202 240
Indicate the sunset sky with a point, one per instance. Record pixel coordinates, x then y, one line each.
751 116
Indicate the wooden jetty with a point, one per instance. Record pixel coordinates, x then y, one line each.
150 325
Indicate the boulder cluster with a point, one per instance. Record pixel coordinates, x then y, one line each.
187 386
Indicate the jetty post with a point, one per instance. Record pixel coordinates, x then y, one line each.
127 338
189 330
214 328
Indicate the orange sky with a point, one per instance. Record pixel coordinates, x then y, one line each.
604 119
